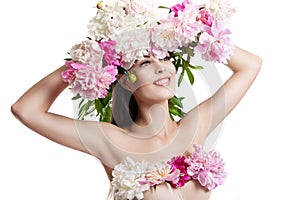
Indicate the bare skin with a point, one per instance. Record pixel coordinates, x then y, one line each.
209 113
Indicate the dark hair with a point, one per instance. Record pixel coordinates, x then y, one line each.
124 107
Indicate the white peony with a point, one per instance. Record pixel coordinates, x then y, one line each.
107 22
137 6
133 44
87 52
163 36
221 9
125 182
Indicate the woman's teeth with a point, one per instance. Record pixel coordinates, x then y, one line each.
162 81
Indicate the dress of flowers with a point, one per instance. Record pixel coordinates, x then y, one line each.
131 179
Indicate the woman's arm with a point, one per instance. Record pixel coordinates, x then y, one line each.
245 67
32 110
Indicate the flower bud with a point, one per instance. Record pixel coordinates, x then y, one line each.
99 5
132 78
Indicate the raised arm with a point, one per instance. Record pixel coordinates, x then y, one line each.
32 109
245 67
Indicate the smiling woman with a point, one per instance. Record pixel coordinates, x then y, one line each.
128 78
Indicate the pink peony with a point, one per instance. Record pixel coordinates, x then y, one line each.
111 57
69 74
160 173
179 7
205 17
178 163
93 83
207 168
214 43
186 25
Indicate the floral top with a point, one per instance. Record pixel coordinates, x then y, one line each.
131 179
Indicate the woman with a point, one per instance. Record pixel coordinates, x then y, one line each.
150 135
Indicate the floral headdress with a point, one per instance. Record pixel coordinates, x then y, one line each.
126 30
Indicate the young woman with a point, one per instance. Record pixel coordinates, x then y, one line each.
140 141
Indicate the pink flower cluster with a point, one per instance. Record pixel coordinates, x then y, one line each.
214 43
205 167
89 77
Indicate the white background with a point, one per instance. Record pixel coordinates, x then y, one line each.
259 140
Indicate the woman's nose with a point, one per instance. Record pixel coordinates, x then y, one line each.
160 69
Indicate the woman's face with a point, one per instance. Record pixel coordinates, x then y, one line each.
155 79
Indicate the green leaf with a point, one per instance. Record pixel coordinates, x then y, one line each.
176 101
163 7
175 107
105 114
190 75
98 105
105 100
175 111
85 109
196 67
181 77
76 97
81 102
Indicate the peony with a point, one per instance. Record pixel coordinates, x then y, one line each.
87 52
125 182
110 56
215 44
159 173
69 74
179 7
221 9
163 37
207 168
92 83
133 44
178 163
205 17
107 22
136 6
186 25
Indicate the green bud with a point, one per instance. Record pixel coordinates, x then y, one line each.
132 78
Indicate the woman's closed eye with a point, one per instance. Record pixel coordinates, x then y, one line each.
148 62
145 63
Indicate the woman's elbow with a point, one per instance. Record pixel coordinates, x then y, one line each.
258 62
19 112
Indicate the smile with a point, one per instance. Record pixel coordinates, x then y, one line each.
163 82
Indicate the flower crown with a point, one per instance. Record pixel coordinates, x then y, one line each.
125 31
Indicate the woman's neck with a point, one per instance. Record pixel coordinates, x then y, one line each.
152 120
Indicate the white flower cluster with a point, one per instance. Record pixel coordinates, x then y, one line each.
125 182
127 22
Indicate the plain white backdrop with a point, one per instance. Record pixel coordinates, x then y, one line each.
259 139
